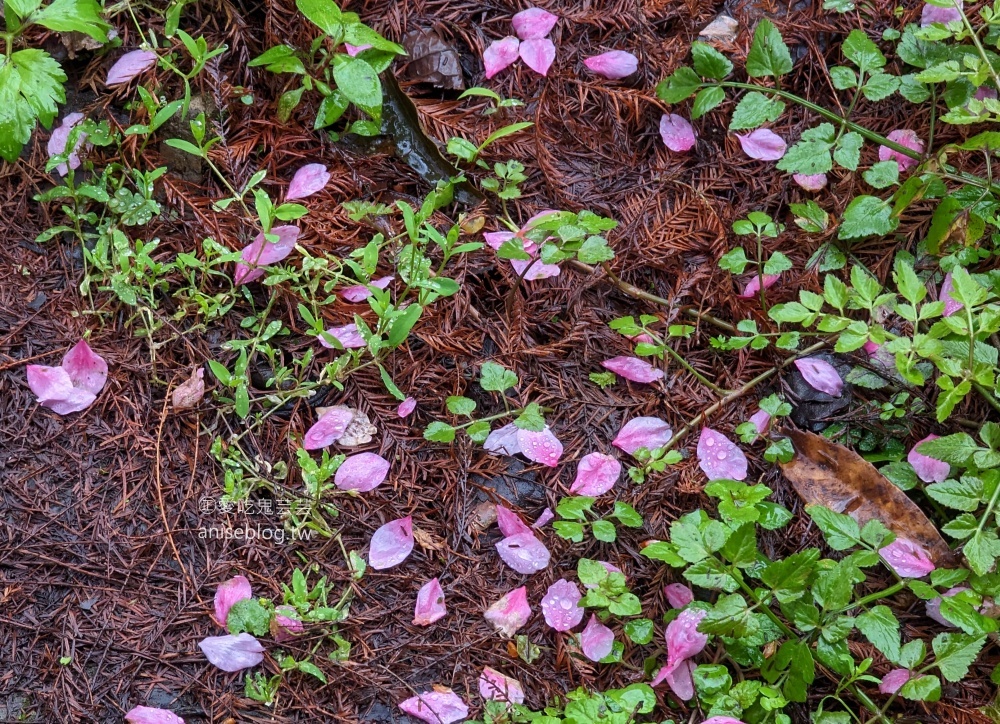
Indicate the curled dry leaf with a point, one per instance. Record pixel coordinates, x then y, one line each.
189 393
825 473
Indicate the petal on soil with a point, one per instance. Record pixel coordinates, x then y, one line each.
634 369
648 432
596 474
232 652
559 605
820 375
391 544
233 591
596 640
524 553
307 180
511 612
430 606
719 457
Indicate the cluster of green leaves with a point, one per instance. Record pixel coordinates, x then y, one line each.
577 514
468 152
563 235
615 706
608 593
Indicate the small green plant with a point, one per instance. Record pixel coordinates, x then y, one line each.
615 706
469 152
577 514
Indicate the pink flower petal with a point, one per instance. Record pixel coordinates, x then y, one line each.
984 92
55 390
436 707
430 605
752 289
524 553
361 292
934 14
307 180
190 392
59 139
596 474
151 715
762 144
353 50
86 370
907 559
495 239
261 252
596 640
719 457
234 590
391 544
633 368
511 612
546 516
810 182
129 66
761 420
904 137
232 652
930 470
494 686
933 606
503 441
538 54
329 428
540 447
647 432
680 679
533 23
348 336
678 595
509 523
535 269
286 625
951 305
722 720
684 640
893 681
820 375
406 407
615 64
362 472
559 605
500 54
677 133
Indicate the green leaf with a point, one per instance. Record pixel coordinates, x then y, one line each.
81 16
496 378
843 77
755 109
531 418
400 328
569 530
808 157
604 531
954 653
639 631
709 62
788 577
848 151
955 449
964 494
921 688
575 507
439 432
882 174
880 626
706 100
478 431
359 83
841 531
982 551
679 86
880 86
626 515
768 54
249 616
866 216
307 667
460 405
734 260
22 8
324 14
595 250
861 51
331 108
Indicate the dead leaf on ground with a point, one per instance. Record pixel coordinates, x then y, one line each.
828 474
428 541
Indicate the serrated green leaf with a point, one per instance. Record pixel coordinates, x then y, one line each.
706 100
709 62
866 216
768 54
496 378
861 51
679 86
882 174
880 626
954 653
848 150
81 16
755 109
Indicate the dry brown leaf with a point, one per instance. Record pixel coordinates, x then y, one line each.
825 473
428 541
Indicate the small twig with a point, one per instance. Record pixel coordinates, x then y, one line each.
159 489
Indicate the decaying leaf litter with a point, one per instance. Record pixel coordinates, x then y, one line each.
102 558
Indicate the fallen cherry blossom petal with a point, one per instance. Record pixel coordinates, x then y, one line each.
596 640
362 472
441 706
933 14
647 432
509 523
559 605
677 133
810 182
893 681
752 289
353 50
871 348
503 441
86 369
928 469
261 252
763 145
328 428
634 369
761 420
614 64
495 239
722 720
820 375
511 612
232 652
907 559
933 606
538 54
361 292
524 553
534 270
307 181
391 544
596 474
74 384
533 23
719 457
683 638
286 625
130 65
233 591
495 686
500 54
151 715
546 516
189 393
540 447
406 407
951 305
678 595
430 606
904 137
60 137
348 336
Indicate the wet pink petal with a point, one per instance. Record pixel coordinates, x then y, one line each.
648 432
307 180
348 336
596 640
59 139
362 472
329 428
762 144
983 92
54 390
719 457
406 407
232 652
934 14
535 269
677 133
286 624
870 348
820 375
907 559
538 54
509 523
151 715
904 137
430 605
722 720
680 679
752 289
361 292
933 606
261 252
499 54
684 640
524 553
232 591
533 23
559 605
503 441
441 706
634 369
495 239
761 420
353 50
893 681
511 612
928 469
951 305
391 544
495 686
596 474
810 182
129 66
87 370
615 64
678 595
540 447
190 392
546 516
